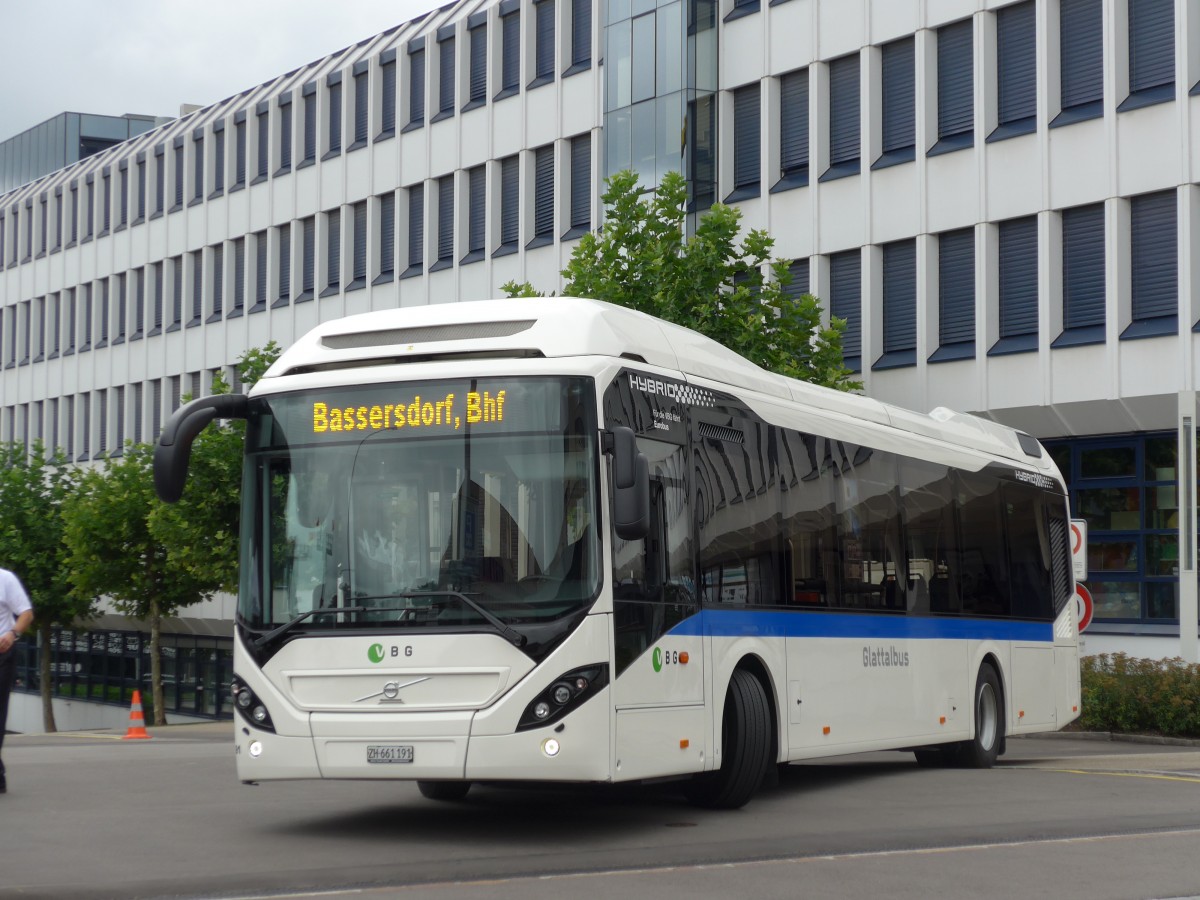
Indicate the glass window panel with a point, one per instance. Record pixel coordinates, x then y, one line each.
869 526
1112 556
1162 555
810 524
737 554
619 140
1162 600
1116 599
643 142
1062 458
702 52
618 11
670 49
1109 509
643 58
1029 552
670 135
619 64
1107 462
1162 506
1160 458
983 576
931 543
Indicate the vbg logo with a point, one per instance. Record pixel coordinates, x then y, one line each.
377 652
660 658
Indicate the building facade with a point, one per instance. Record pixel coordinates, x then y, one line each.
63 140
1000 198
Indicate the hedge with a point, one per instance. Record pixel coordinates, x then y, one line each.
1150 696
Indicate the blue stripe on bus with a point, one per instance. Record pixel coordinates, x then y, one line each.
775 623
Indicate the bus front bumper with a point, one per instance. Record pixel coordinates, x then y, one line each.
434 746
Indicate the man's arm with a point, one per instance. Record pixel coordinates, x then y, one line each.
24 623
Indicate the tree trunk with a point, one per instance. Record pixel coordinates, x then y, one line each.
156 685
43 632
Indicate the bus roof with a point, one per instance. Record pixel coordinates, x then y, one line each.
559 327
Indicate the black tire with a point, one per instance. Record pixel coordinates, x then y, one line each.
745 747
444 790
981 751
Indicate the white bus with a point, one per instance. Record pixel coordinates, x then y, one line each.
559 540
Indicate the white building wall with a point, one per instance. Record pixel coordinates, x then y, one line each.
1112 387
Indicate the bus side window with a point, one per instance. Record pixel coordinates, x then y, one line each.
652 585
1027 530
657 568
931 547
873 570
737 472
656 544
809 525
985 589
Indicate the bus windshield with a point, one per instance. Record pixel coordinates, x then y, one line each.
451 504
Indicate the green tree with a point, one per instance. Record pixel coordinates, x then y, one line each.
201 530
710 282
111 551
32 491
153 559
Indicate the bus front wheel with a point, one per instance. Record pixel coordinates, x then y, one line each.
745 747
981 751
444 790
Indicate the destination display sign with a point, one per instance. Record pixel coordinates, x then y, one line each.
428 408
474 408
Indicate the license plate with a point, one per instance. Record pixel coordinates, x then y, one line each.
390 753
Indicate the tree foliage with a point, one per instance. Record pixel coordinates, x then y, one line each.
111 551
729 290
201 530
153 559
32 490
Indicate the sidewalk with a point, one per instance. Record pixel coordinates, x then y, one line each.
1158 739
191 731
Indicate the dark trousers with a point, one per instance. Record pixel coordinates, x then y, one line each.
8 671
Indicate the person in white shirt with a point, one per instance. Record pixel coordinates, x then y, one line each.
16 617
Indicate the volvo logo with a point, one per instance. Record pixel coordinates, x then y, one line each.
390 693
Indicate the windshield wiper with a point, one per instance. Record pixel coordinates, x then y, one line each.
283 629
511 634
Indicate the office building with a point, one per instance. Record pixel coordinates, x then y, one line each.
999 197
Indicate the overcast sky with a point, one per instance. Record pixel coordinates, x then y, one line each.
149 56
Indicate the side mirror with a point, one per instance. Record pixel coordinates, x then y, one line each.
174 448
631 486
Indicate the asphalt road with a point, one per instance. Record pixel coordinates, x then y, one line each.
90 815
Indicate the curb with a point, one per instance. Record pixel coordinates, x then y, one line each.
1158 739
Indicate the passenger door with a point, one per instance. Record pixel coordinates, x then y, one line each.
658 667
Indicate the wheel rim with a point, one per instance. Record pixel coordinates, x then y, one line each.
987 716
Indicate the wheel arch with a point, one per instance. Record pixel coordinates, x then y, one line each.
756 666
989 658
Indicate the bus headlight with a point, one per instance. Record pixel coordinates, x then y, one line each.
564 694
249 707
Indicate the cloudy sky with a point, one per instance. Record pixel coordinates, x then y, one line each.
149 56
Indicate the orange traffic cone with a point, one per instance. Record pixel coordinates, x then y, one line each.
137 721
